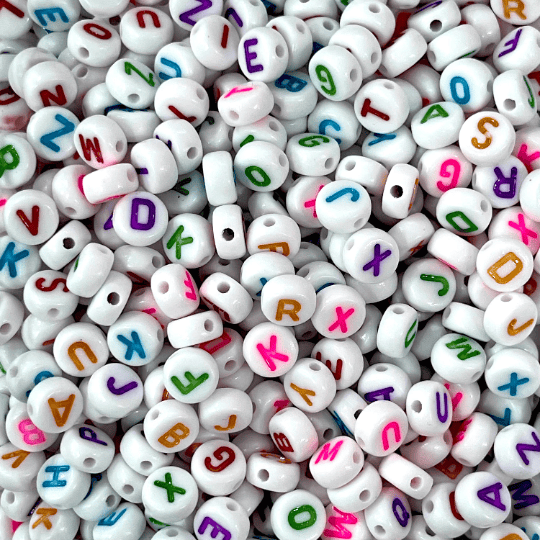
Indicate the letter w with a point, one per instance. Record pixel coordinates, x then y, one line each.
91 145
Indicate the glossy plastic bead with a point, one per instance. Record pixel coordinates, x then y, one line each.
263 54
504 264
486 138
389 515
381 428
518 378
381 106
482 499
429 408
294 434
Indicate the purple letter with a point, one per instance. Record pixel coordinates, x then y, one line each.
252 68
135 209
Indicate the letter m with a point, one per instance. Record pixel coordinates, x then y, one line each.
337 522
327 452
461 343
520 496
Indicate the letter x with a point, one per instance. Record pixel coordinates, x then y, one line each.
522 228
513 384
170 487
375 263
341 320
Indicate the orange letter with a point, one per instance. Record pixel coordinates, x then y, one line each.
171 438
275 246
72 353
21 455
67 405
44 513
512 331
518 10
230 425
292 313
484 131
494 268
304 392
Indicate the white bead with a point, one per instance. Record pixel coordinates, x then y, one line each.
214 41
109 302
100 142
235 306
131 83
49 82
400 191
261 166
440 513
312 154
437 125
501 184
87 448
50 132
139 455
434 19
195 329
336 463
482 499
171 426
518 378
202 377
145 30
94 43
227 410
504 264
381 106
193 107
389 515
429 408
484 145
384 381
406 476
55 405
170 494
90 270
311 518
517 50
60 484
294 434
67 194
272 472
453 44
370 255
221 515
274 232
218 467
510 318
263 54
188 240
140 219
80 349
335 72
298 37
373 427
350 213
376 17
520 439
27 370
514 97
467 82
360 492
401 55
463 366
22 432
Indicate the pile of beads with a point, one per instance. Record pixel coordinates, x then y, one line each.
269 269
